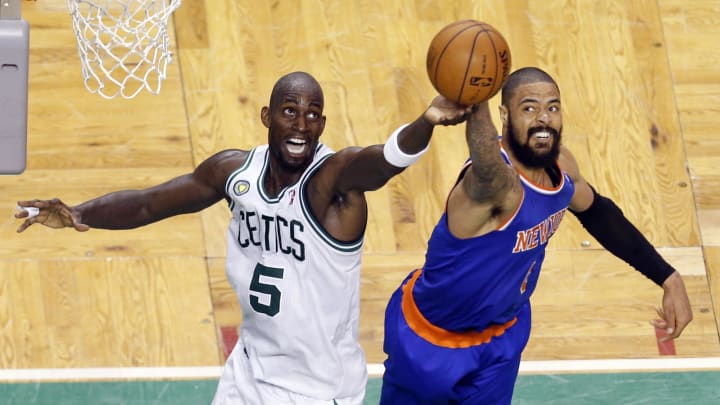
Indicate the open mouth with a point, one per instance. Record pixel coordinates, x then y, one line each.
542 136
296 146
541 142
543 139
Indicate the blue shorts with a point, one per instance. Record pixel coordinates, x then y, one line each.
420 372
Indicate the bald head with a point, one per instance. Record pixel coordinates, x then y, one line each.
521 77
295 82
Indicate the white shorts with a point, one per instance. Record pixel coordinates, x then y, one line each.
238 386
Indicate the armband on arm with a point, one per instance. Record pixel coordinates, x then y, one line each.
608 225
397 157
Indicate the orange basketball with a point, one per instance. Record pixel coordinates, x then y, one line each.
468 61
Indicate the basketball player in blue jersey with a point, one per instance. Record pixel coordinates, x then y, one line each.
299 214
456 328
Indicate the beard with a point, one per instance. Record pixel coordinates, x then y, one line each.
526 155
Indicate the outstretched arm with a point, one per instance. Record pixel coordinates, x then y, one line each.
489 190
133 208
490 178
367 169
608 225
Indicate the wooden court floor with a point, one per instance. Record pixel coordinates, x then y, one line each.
641 90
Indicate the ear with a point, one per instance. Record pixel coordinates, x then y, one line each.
322 125
503 114
265 116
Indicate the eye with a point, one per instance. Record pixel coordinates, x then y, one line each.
289 111
554 108
313 115
529 108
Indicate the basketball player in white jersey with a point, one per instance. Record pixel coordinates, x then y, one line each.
294 242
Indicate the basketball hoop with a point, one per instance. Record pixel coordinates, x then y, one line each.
123 44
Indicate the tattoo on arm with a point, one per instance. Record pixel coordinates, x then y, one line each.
489 171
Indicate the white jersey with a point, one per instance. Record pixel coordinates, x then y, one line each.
298 287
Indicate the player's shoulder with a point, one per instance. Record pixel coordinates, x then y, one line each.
348 151
220 165
568 164
340 158
228 157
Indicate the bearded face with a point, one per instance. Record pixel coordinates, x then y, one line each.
532 120
543 152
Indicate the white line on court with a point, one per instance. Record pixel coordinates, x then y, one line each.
374 370
620 365
109 373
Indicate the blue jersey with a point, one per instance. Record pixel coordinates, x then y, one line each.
455 329
469 284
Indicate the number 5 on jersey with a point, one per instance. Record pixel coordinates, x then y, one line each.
270 291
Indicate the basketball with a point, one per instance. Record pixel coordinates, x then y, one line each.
468 61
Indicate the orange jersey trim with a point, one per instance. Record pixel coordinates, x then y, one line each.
509 219
439 336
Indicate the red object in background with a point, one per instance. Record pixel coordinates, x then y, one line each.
229 338
666 348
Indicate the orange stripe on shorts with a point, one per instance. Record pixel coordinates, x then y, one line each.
439 336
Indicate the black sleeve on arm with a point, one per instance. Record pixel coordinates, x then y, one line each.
608 225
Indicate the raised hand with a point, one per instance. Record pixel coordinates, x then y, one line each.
442 111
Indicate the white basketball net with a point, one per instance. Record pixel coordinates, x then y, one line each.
123 44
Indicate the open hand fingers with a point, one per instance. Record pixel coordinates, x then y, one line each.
52 213
24 225
29 210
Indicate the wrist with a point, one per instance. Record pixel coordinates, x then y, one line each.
426 119
672 280
396 156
